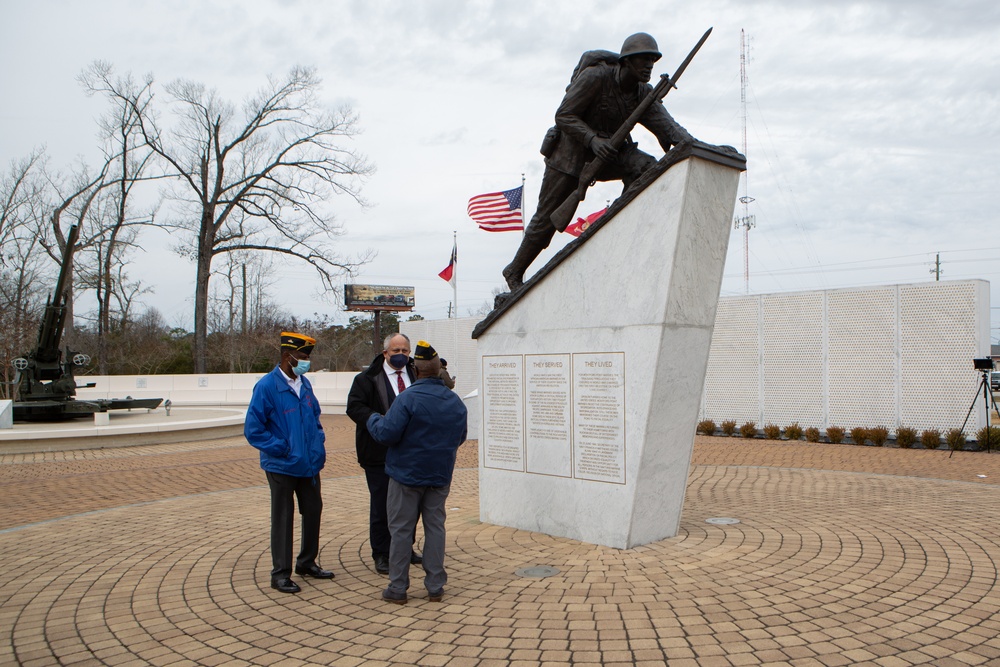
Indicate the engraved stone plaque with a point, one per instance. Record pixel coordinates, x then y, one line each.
547 414
503 412
599 416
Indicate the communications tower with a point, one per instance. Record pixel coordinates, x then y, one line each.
745 221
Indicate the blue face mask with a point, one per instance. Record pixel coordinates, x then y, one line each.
301 368
399 360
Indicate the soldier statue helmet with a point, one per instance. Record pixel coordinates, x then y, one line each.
639 43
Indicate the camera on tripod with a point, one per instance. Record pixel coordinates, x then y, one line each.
983 364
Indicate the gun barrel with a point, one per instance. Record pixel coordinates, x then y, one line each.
50 331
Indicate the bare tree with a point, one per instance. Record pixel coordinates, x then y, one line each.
258 178
486 307
113 219
242 316
35 202
72 196
144 346
22 261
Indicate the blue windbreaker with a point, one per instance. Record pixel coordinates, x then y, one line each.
285 427
423 430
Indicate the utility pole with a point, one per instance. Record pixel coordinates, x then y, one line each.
746 221
377 331
937 267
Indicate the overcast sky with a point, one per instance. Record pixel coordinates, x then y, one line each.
873 128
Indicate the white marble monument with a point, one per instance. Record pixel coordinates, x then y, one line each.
593 372
6 414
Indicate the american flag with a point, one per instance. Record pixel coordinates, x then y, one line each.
498 211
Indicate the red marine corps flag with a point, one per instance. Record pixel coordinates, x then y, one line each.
581 224
498 211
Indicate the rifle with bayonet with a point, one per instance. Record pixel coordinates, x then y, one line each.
562 216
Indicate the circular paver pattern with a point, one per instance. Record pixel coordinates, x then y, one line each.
824 568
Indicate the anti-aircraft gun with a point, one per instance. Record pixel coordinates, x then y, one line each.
46 386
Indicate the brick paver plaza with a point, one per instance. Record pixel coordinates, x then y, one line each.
843 555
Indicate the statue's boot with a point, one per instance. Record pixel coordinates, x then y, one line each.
513 273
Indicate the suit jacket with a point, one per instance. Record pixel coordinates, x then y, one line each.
370 394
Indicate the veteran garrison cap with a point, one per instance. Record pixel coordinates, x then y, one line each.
297 341
424 351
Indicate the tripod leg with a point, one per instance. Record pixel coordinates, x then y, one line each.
986 400
988 392
968 414
972 407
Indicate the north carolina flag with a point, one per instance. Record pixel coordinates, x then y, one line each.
581 224
498 211
449 273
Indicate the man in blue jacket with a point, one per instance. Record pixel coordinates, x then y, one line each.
422 430
283 423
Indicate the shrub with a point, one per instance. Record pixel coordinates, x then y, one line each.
994 437
878 435
835 434
955 439
728 427
706 427
931 438
858 435
793 431
749 430
773 432
812 434
905 437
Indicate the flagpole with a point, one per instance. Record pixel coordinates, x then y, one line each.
524 224
454 277
454 324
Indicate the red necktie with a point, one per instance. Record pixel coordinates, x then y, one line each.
399 381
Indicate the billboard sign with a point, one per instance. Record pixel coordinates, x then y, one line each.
378 297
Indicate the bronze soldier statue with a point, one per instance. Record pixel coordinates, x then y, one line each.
606 88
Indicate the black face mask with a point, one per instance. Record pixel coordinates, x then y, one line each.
398 361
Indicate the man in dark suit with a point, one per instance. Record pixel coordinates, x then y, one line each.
423 430
372 392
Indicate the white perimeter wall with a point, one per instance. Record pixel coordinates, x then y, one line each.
896 355
453 340
232 389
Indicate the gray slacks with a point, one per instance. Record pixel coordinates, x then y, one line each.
404 504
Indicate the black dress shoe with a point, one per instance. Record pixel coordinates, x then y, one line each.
382 564
314 571
395 598
416 559
285 585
